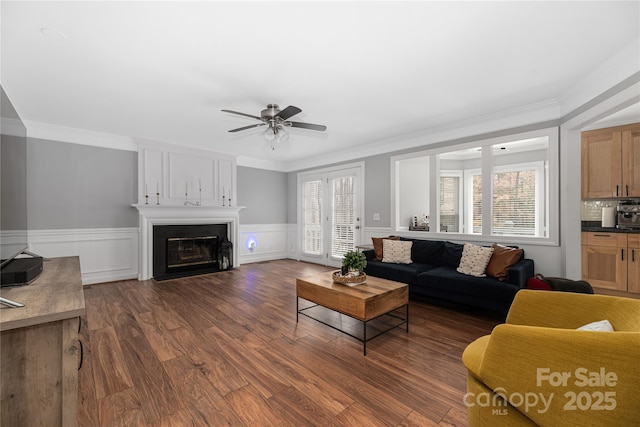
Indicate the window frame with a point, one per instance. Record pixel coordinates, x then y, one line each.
552 186
468 201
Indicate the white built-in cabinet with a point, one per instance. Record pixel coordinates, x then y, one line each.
173 175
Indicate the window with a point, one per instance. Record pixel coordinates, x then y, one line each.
496 188
519 188
457 186
514 202
312 217
343 230
450 202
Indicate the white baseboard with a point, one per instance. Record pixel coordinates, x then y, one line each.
106 254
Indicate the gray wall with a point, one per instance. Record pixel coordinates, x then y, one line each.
292 199
78 186
264 193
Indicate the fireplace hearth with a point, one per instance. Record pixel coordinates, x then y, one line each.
185 250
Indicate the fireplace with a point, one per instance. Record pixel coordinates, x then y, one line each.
185 250
154 216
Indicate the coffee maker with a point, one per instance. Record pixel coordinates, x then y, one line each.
628 214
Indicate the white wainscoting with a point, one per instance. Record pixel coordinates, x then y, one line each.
106 254
110 254
263 242
292 242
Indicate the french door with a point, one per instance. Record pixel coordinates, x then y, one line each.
329 210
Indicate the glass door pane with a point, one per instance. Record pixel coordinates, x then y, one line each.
312 230
344 219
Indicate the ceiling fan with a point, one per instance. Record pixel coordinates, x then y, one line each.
276 121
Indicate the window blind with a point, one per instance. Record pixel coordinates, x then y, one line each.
312 217
514 203
449 203
344 221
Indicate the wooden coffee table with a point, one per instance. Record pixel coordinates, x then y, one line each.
371 300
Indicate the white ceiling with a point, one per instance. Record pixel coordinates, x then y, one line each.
371 71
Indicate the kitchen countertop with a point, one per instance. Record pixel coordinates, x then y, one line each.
596 227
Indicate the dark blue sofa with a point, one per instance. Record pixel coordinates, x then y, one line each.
432 276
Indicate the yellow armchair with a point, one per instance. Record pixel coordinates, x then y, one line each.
537 369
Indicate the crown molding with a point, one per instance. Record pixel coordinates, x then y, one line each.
13 127
542 112
253 162
79 136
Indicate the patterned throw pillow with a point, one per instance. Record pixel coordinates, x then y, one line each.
396 251
377 246
474 260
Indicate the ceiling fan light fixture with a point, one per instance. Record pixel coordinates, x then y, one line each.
283 136
277 122
269 134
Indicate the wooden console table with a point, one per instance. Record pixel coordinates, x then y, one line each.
40 351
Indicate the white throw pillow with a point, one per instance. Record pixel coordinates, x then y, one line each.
474 260
601 326
396 251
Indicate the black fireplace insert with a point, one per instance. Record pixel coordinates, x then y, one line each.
186 250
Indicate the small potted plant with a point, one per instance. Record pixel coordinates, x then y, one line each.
354 261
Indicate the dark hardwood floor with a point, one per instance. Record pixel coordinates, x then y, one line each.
225 349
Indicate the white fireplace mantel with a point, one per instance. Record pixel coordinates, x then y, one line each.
151 215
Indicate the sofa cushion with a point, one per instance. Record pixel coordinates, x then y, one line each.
394 251
502 258
451 254
404 273
474 260
447 279
426 251
377 245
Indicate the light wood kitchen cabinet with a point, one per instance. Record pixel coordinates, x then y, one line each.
631 161
604 260
611 260
611 162
633 263
40 351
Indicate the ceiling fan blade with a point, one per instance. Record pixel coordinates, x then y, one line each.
290 111
308 126
247 127
242 114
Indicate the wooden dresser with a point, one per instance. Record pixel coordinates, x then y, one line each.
40 349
